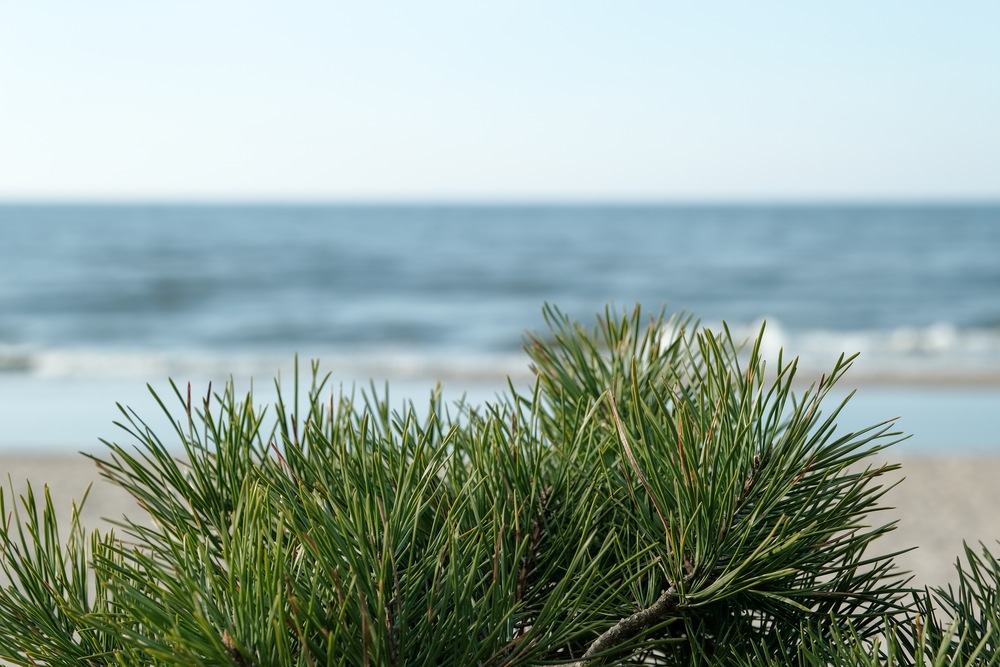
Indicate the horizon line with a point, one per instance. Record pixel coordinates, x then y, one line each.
509 202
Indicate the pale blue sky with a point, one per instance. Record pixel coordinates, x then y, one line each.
509 100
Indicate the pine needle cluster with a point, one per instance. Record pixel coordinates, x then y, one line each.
659 497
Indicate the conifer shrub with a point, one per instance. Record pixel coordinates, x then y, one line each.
660 496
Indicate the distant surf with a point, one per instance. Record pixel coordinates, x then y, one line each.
104 298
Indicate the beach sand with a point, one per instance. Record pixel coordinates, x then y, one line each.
941 502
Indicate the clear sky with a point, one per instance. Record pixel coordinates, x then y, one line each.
511 100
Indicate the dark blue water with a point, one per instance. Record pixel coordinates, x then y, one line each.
468 279
138 293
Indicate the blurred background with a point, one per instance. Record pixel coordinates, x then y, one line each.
196 192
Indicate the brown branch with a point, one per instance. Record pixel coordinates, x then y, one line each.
629 627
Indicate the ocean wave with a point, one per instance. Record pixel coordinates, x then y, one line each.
942 341
940 353
359 365
937 350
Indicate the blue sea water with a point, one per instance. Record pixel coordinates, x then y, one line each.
96 301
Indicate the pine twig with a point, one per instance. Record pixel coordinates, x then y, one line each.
631 626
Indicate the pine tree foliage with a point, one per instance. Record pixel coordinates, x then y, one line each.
661 496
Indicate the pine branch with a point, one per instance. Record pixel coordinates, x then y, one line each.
628 628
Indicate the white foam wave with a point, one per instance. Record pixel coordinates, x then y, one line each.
356 366
936 349
940 351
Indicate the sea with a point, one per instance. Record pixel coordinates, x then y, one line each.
99 303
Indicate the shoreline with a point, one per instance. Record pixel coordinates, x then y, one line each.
938 501
934 412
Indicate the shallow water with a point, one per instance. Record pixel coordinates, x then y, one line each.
96 301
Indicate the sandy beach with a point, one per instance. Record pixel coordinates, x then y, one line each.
938 502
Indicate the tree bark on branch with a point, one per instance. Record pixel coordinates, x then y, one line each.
629 627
